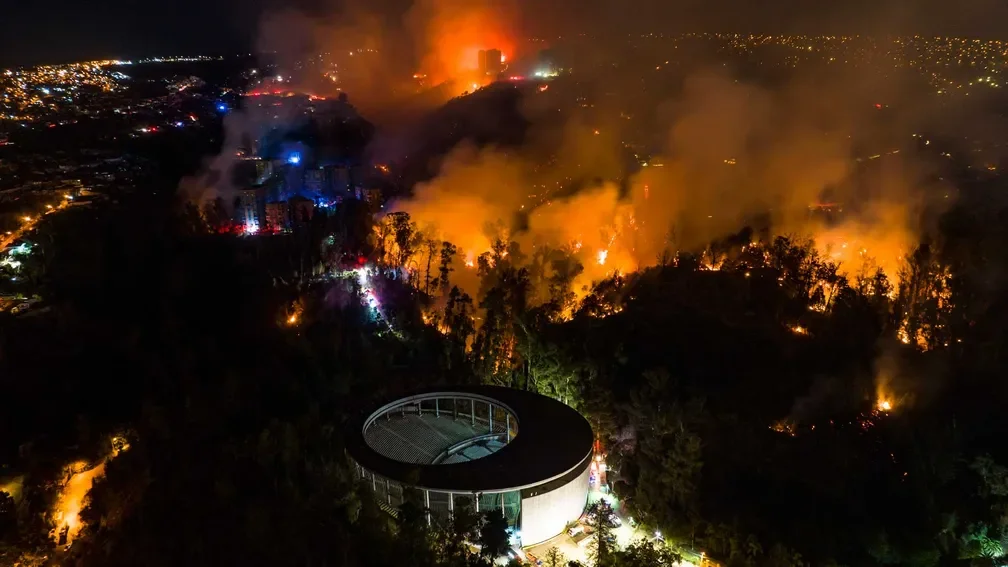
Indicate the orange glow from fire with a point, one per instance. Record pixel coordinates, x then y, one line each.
784 426
71 499
454 32
293 317
79 475
885 400
860 249
608 228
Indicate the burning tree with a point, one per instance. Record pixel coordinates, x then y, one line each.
459 324
448 253
605 298
923 303
396 240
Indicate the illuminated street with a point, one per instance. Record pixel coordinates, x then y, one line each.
29 223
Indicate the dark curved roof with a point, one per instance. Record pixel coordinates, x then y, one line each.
552 439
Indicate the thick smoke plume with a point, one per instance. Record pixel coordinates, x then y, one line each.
733 152
376 51
215 178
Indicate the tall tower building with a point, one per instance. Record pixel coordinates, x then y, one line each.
482 62
493 62
251 209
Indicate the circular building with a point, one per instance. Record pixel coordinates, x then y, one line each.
482 447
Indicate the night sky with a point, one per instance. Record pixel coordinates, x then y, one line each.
72 30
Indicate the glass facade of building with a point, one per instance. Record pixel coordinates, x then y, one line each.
411 438
440 504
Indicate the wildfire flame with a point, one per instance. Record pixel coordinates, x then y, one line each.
860 249
784 426
71 499
80 476
884 405
885 401
606 231
294 314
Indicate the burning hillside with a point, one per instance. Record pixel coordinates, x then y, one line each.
690 201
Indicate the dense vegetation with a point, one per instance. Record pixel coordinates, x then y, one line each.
736 389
